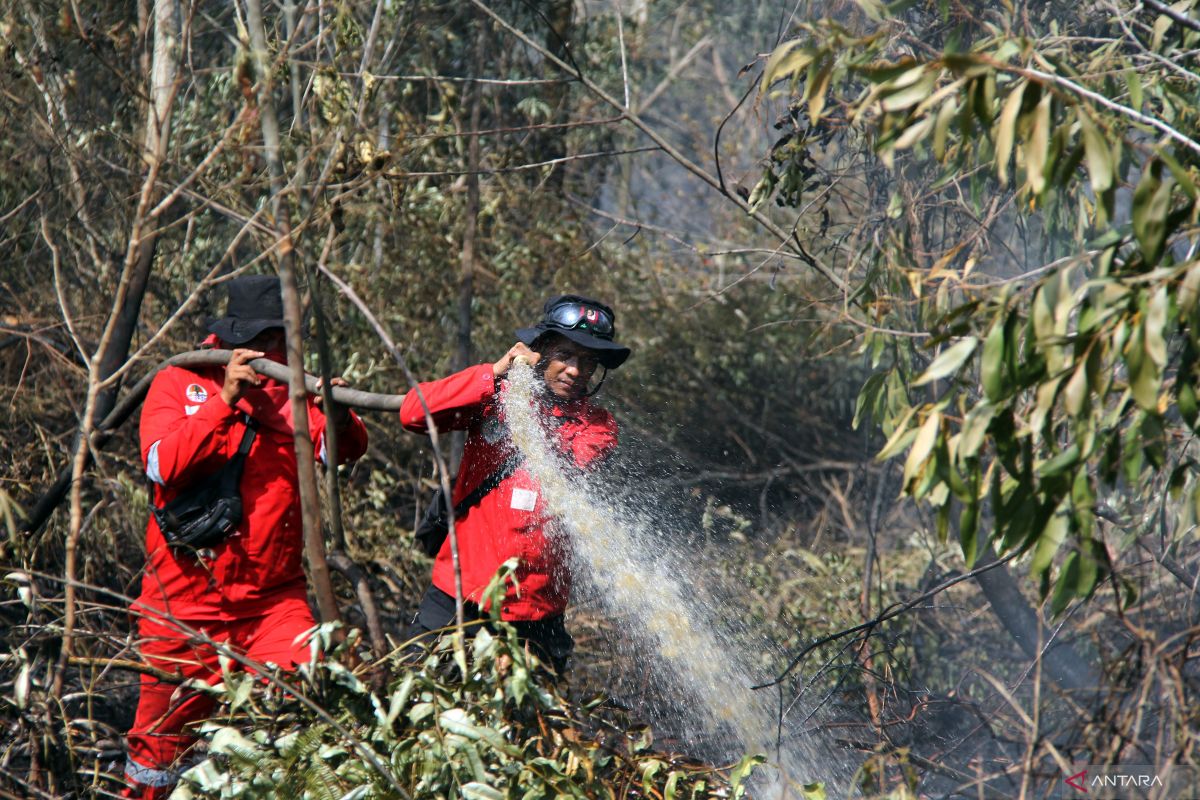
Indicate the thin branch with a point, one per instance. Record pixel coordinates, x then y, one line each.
621 42
1177 16
443 469
466 79
1112 105
314 543
893 611
520 167
544 126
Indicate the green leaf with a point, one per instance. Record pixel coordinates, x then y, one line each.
907 96
480 791
785 62
419 712
762 190
983 98
942 126
968 532
813 791
900 438
1060 463
1156 326
1134 84
1099 154
1006 130
992 367
1046 394
1181 175
955 481
1091 558
1038 145
640 738
1044 304
1154 440
974 429
1065 586
874 9
1052 536
1151 203
1188 407
1076 392
1017 518
649 770
742 771
1189 289
868 396
922 446
817 88
672 785
1144 378
948 361
913 134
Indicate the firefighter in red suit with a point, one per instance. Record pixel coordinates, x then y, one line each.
247 591
574 337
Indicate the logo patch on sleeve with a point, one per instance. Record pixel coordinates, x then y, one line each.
523 500
196 393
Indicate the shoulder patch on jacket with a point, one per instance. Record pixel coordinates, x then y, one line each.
196 393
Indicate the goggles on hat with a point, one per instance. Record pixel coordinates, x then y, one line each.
574 315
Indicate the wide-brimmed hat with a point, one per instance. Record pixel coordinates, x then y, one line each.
255 304
585 321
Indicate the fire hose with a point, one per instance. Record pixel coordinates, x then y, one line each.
355 398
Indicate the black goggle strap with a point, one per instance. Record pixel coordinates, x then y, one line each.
603 378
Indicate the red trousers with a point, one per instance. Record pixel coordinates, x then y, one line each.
159 734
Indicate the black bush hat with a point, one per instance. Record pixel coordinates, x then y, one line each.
255 304
585 321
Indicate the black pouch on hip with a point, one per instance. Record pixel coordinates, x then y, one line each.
435 525
209 510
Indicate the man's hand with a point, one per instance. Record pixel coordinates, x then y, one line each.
500 368
339 415
239 375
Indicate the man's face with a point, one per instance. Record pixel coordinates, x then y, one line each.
270 340
568 368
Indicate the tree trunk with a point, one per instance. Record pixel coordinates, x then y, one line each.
113 347
163 72
314 544
466 281
1059 660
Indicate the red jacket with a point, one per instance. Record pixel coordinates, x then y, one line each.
187 432
511 519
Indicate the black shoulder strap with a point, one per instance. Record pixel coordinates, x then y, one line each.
507 468
247 437
230 475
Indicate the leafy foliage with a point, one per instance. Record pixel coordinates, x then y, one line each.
497 729
1055 390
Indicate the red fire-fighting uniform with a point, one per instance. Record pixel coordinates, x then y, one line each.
249 591
511 519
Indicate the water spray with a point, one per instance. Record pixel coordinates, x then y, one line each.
609 548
